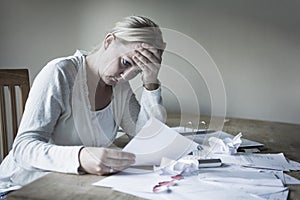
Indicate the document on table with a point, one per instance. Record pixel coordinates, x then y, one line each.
156 140
290 180
242 177
262 183
294 166
262 161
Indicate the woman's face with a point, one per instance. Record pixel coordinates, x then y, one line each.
118 62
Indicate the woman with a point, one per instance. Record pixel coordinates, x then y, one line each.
77 103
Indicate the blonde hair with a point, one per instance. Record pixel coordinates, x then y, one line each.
139 29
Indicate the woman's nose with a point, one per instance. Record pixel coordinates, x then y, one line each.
121 71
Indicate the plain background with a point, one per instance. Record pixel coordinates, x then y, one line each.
254 44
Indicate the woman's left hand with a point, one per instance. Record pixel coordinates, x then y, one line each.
148 59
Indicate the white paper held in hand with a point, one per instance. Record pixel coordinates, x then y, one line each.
156 140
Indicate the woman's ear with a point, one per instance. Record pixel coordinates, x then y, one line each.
108 39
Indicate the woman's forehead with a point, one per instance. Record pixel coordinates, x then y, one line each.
128 49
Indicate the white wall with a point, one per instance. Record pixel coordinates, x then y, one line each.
255 45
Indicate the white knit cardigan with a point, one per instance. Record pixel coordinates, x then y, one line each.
56 122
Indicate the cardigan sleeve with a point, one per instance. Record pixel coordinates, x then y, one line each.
136 113
44 106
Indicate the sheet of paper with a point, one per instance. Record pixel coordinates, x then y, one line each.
283 195
129 181
252 189
263 161
294 165
183 193
156 140
242 177
130 175
290 180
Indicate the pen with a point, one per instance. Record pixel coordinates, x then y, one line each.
198 132
166 185
162 188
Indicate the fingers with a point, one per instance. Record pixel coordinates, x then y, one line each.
157 52
103 161
143 63
147 61
116 161
117 154
148 55
115 158
130 73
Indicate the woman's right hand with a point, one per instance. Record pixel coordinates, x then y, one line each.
99 160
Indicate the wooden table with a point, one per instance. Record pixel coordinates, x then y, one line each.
277 137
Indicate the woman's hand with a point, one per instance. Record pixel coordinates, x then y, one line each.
99 161
148 59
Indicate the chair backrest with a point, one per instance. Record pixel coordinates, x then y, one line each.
14 89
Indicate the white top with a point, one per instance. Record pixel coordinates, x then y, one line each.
108 124
57 122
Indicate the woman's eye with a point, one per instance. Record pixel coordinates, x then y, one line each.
126 63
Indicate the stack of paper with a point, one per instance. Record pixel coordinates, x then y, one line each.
248 180
261 161
220 183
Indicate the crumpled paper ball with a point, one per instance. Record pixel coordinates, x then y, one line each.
184 166
225 146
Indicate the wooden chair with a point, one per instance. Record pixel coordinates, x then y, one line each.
14 89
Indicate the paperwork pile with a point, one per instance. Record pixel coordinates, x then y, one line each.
241 176
191 187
